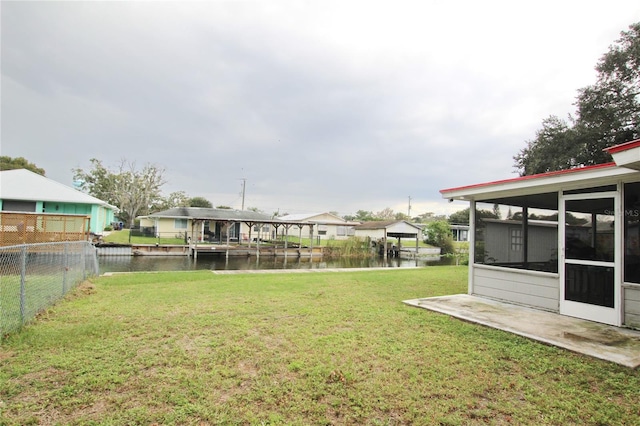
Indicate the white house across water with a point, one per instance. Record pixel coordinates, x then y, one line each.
565 242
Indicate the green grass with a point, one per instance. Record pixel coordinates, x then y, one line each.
122 237
317 348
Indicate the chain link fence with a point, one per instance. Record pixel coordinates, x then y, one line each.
34 276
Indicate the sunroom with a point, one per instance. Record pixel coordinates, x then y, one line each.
565 242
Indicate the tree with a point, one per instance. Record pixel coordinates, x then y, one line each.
424 217
386 214
361 216
438 233
609 110
200 202
608 113
401 216
9 163
555 147
175 199
462 217
133 191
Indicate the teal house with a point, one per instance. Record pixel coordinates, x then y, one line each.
24 191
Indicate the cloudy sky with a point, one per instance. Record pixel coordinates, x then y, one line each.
320 105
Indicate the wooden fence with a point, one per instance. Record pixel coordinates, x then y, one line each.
30 228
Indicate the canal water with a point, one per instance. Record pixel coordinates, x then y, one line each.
215 263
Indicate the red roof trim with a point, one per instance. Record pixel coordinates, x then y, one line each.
623 147
530 177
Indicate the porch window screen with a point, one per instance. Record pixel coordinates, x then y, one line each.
519 233
632 232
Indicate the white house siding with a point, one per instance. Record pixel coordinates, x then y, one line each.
404 228
534 289
374 234
167 226
632 306
498 243
147 222
326 226
543 243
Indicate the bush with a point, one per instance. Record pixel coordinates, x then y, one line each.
438 234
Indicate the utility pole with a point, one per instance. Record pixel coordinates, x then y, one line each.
409 209
244 185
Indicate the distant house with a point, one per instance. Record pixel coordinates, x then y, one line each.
381 231
460 232
570 242
208 224
327 226
24 191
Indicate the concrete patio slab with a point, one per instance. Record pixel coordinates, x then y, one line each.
614 344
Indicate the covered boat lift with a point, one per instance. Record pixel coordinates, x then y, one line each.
228 218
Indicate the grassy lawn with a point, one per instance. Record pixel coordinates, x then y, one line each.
122 237
316 348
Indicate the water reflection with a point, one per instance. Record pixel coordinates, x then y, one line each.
185 263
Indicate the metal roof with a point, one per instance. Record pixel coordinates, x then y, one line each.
204 213
25 185
299 216
601 174
392 228
313 217
222 215
384 224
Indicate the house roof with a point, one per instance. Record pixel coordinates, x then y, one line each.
204 213
25 185
626 154
377 224
299 216
385 224
624 167
317 218
597 175
392 228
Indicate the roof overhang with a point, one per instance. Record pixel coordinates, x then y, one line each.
626 154
590 176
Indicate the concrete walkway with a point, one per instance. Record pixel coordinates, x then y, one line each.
619 345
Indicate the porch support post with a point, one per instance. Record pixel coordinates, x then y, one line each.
384 241
229 225
286 240
525 235
300 240
275 240
250 225
193 243
472 244
258 239
311 244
